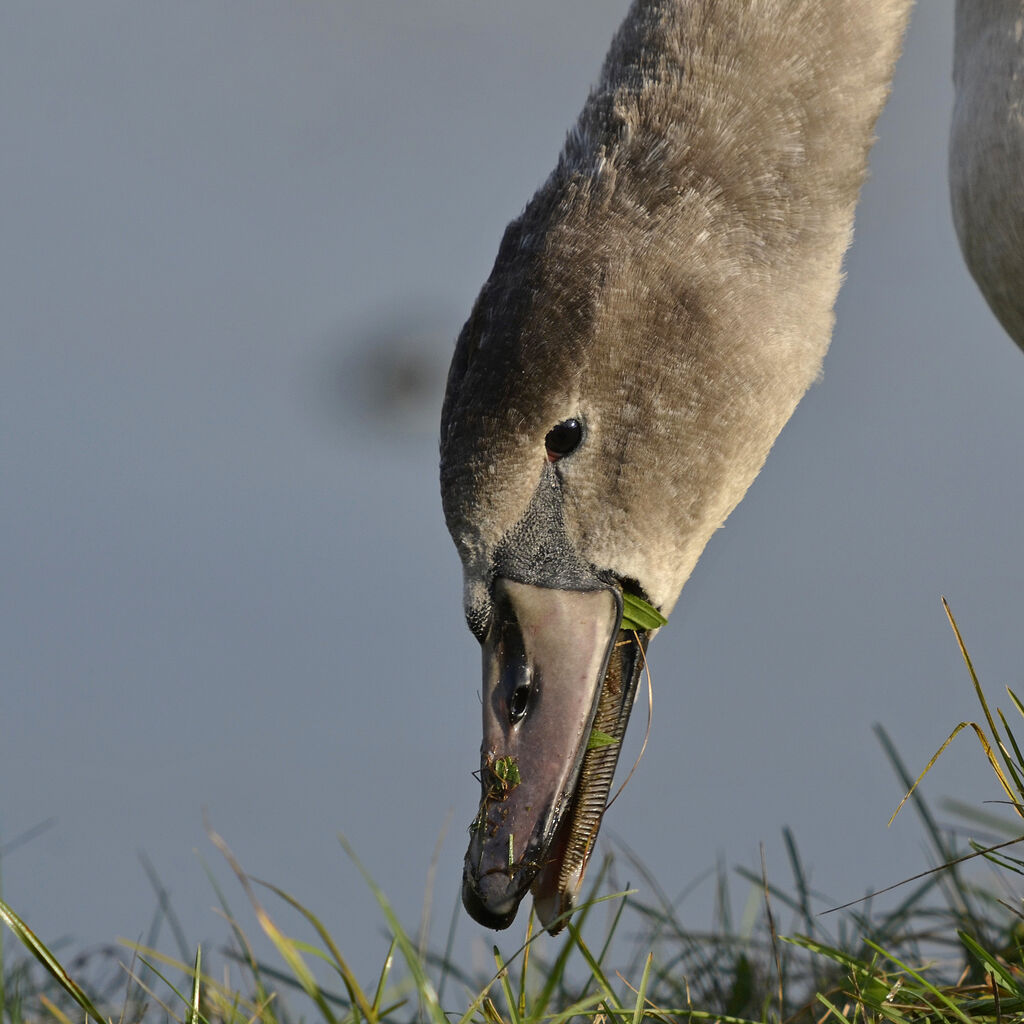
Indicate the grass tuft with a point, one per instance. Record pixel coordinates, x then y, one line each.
947 951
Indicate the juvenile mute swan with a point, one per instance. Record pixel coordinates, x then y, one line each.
986 152
651 321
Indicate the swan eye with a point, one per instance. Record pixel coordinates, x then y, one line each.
563 439
517 706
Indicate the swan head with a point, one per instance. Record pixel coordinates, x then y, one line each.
580 466
651 321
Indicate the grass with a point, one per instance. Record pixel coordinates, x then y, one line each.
949 949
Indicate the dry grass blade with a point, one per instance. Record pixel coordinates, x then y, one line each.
217 992
261 997
983 852
336 960
428 892
988 717
1001 774
55 1010
424 986
985 745
287 947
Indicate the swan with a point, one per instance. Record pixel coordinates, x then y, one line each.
651 321
986 152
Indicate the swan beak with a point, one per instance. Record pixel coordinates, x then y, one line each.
544 663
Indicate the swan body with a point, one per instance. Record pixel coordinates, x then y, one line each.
986 152
663 302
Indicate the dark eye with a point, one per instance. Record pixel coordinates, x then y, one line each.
517 706
563 439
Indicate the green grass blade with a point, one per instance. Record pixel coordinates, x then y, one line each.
38 949
557 972
612 1001
164 907
581 1009
980 818
4 1009
378 996
223 1002
510 1000
167 981
619 911
993 964
526 963
933 990
834 1010
838 956
197 974
803 890
641 992
1019 763
555 976
1016 702
479 1004
448 969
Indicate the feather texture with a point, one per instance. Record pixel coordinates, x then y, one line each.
671 284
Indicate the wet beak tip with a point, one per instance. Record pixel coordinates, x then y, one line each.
496 915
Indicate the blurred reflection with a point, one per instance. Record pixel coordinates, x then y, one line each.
391 377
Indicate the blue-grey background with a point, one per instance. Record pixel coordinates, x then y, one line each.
237 241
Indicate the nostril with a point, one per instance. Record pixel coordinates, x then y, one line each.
517 705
